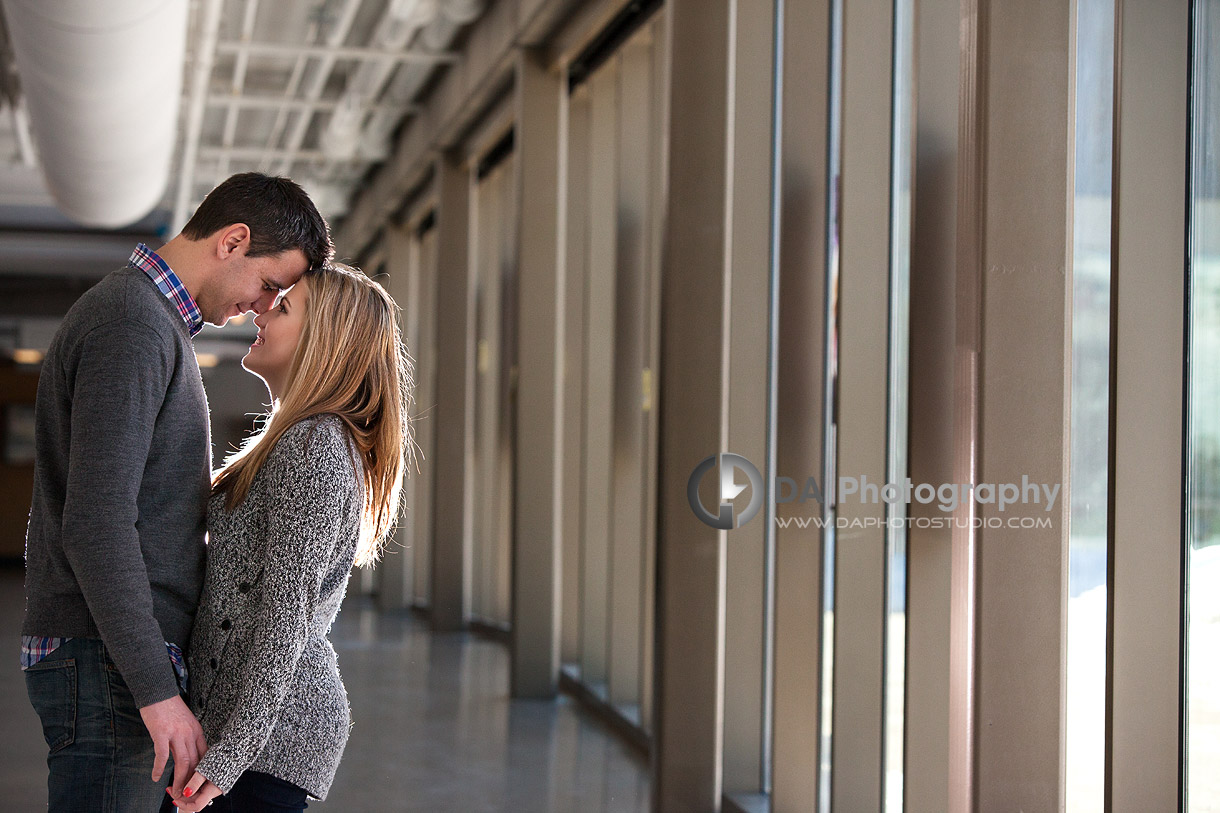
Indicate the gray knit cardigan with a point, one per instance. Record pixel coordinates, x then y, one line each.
264 681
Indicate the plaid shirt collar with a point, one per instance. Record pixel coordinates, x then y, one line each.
148 261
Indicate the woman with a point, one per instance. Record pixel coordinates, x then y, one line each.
313 492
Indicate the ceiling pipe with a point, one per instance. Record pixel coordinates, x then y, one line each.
239 81
290 92
437 36
350 134
104 114
201 75
313 90
402 19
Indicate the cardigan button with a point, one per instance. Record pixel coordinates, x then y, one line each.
244 587
213 663
224 625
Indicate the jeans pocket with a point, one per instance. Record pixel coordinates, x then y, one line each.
52 688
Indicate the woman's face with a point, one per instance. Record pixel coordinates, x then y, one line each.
279 331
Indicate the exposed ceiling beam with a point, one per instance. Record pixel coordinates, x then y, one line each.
288 50
281 103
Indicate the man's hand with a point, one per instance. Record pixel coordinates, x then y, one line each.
175 732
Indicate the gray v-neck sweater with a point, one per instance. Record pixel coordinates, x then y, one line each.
115 545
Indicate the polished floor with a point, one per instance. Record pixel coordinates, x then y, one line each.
433 729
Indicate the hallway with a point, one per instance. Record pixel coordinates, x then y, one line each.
434 729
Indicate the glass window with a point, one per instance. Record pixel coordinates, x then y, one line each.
1203 441
1086 649
899 382
830 474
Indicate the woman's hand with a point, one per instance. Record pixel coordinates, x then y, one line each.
197 794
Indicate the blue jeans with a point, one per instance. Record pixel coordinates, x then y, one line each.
255 792
101 755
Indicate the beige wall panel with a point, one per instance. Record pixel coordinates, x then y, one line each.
1025 125
396 570
800 419
576 214
1147 302
506 440
693 403
425 424
599 381
932 321
452 505
486 234
856 763
749 327
627 549
658 164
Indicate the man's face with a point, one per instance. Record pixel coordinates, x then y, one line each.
249 284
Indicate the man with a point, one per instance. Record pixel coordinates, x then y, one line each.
115 546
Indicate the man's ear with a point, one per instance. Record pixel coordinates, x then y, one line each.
231 238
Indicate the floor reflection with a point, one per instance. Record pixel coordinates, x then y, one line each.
433 729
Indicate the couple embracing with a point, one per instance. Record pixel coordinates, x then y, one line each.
168 671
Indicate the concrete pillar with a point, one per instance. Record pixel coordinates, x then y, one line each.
693 404
536 559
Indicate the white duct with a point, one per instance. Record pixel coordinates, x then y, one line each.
102 82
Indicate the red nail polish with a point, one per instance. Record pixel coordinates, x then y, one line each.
187 792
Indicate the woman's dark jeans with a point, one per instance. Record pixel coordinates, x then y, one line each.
254 792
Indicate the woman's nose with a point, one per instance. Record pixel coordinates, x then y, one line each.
261 319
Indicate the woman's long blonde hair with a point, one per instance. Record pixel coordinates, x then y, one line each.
349 362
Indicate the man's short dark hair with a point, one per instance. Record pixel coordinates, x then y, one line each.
280 215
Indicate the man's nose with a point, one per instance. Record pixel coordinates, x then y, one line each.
264 302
